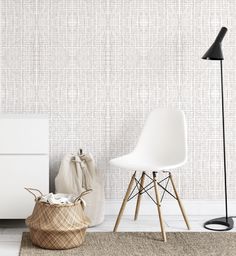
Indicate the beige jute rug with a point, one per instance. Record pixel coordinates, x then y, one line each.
145 244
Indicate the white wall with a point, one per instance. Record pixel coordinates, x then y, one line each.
98 67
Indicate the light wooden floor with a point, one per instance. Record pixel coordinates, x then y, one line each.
11 230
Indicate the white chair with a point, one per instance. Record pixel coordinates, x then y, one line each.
162 146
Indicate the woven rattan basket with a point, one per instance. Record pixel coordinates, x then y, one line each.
57 226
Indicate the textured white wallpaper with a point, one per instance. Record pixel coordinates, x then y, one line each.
97 67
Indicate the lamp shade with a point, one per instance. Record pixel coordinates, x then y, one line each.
215 51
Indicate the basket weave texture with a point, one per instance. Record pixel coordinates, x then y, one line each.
57 226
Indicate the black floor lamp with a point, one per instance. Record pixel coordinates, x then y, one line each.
215 53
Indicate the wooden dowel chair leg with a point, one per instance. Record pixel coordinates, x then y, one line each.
179 202
124 202
139 196
159 207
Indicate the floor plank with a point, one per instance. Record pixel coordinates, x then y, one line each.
9 248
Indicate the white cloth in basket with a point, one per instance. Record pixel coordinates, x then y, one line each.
59 199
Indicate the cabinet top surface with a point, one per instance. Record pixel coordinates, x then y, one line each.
22 116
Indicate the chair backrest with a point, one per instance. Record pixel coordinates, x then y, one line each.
163 138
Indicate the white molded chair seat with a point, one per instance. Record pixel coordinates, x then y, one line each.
133 161
162 144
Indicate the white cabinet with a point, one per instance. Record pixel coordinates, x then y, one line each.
23 136
24 162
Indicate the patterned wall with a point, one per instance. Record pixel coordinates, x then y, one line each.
97 67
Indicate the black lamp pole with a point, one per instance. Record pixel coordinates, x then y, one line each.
215 53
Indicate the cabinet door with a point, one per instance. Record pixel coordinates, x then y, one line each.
23 135
17 172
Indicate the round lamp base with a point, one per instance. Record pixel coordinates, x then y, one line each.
227 223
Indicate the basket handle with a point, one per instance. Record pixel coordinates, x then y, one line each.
82 194
30 190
